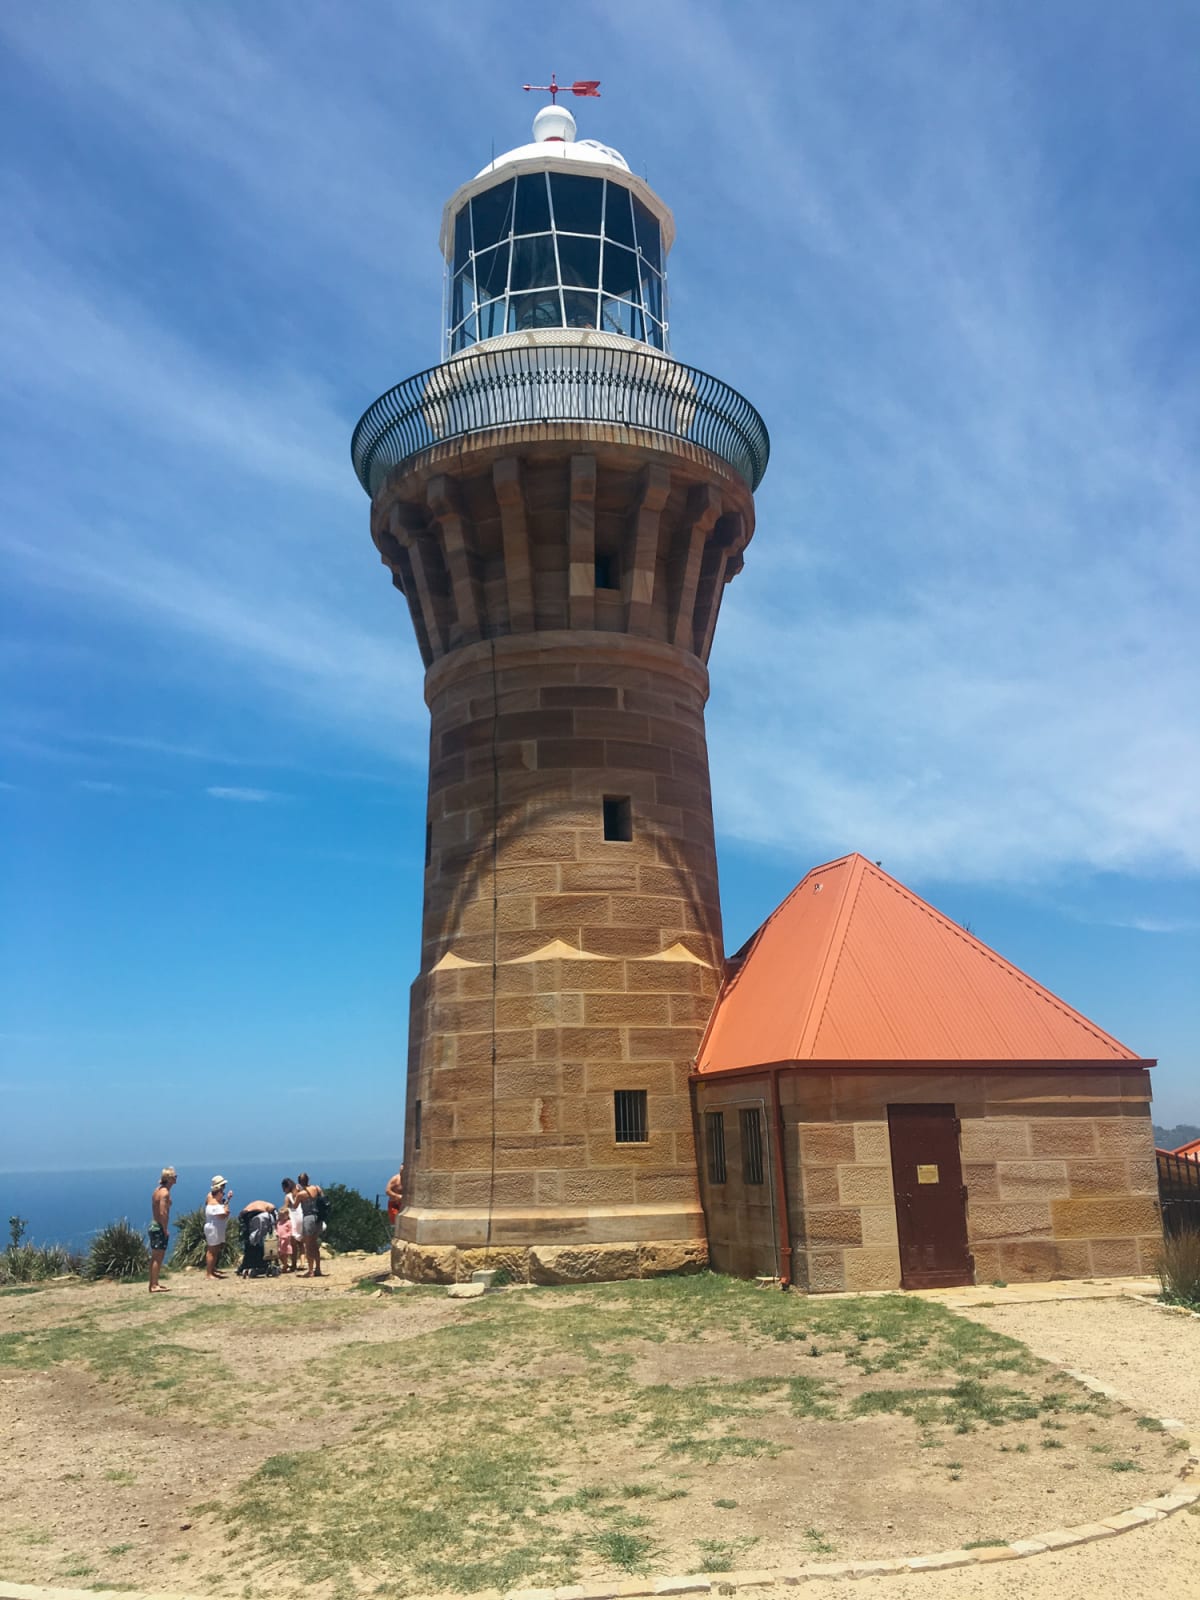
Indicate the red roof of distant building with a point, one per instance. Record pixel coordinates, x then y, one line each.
855 967
1190 1150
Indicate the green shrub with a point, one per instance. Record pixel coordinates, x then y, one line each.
118 1251
32 1263
355 1223
189 1248
1179 1269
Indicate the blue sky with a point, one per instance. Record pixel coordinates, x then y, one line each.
948 251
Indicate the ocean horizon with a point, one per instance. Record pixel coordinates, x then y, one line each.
70 1207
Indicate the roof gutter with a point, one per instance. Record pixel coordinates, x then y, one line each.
934 1065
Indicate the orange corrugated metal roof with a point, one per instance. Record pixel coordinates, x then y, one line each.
855 967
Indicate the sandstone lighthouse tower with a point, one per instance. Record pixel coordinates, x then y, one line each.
561 502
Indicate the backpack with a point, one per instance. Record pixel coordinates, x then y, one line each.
322 1207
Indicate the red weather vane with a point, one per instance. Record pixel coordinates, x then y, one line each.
583 87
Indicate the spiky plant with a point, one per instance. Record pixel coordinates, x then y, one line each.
118 1251
190 1248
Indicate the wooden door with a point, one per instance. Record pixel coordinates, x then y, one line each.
931 1200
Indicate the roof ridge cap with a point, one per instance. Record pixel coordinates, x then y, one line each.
833 950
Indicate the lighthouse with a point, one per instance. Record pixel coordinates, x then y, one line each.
561 502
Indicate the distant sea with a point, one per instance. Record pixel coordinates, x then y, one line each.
68 1208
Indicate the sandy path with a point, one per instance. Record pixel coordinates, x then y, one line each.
1150 1358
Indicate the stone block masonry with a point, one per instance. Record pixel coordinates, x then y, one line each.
571 941
1057 1165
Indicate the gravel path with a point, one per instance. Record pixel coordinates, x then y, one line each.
1150 1358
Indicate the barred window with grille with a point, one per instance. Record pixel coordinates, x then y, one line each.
752 1146
714 1128
629 1112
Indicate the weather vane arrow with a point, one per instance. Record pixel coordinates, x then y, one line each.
585 88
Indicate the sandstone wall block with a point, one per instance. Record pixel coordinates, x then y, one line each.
994 1139
1117 1258
1032 1180
823 1144
1063 1136
1119 1217
583 1263
876 1267
1018 1220
670 1256
871 1144
865 1186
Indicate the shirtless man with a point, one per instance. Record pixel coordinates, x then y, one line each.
395 1196
160 1211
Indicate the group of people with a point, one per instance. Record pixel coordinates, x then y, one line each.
295 1225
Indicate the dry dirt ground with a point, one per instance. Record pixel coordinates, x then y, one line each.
280 1435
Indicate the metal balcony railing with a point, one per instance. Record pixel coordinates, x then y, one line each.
530 384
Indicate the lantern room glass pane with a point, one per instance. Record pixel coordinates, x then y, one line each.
491 318
620 271
462 237
580 308
491 272
532 213
577 202
542 309
618 218
462 296
491 214
534 262
649 237
651 290
619 316
580 262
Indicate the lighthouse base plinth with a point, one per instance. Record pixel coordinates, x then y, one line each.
581 1262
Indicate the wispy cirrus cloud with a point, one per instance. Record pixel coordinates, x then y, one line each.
965 627
241 796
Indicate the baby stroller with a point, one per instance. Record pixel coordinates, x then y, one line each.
260 1248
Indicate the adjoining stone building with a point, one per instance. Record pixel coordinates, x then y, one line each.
885 1102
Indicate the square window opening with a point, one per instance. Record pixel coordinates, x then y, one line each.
714 1130
607 576
618 817
629 1116
752 1146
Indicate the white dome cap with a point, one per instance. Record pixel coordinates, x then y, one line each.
554 123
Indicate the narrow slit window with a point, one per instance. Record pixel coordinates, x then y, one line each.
714 1129
618 817
606 572
428 843
416 1124
629 1114
752 1146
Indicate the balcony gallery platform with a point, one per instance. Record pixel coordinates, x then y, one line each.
530 380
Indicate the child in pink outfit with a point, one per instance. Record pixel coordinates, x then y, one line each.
283 1232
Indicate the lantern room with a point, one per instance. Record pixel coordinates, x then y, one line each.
556 234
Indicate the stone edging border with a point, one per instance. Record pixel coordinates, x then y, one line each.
726 1583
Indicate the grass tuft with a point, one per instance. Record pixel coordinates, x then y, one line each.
1179 1269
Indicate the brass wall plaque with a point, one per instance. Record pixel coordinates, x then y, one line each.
927 1174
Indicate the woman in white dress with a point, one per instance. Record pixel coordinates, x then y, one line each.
216 1220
